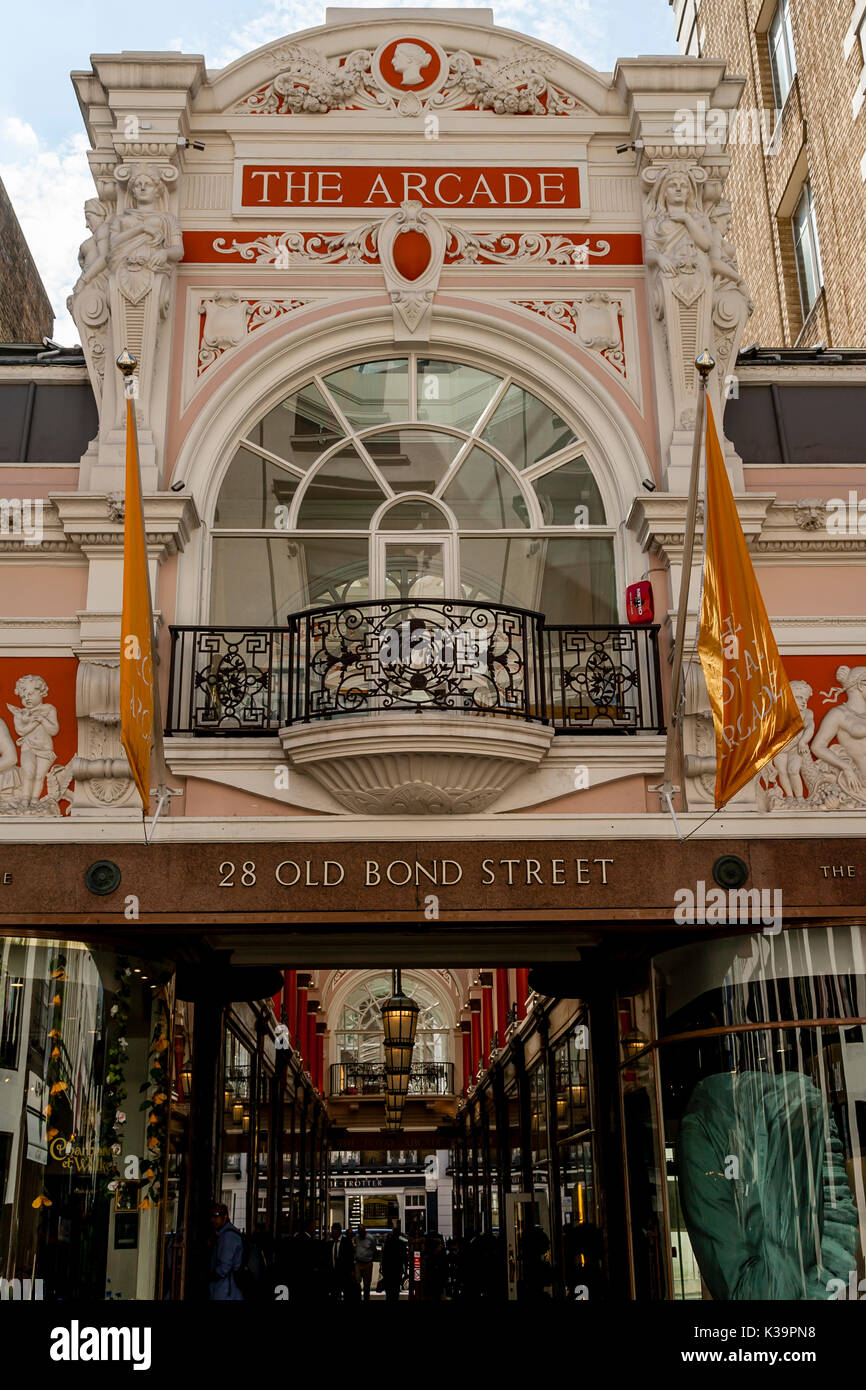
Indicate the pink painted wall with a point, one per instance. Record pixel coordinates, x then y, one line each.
43 591
208 799
789 590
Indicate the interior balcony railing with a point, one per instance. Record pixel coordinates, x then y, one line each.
368 1079
430 655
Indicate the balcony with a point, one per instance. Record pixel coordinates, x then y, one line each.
423 706
367 1079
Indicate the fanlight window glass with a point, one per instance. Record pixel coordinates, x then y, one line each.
360 1034
329 495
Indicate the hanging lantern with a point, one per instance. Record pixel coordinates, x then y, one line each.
578 1095
633 1042
400 1022
394 1112
186 1080
237 1112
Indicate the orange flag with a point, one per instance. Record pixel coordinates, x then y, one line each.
136 627
754 710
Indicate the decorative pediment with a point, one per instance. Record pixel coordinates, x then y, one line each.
408 75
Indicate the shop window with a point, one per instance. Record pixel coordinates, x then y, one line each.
805 231
501 477
11 1002
781 46
83 1169
766 1143
764 1126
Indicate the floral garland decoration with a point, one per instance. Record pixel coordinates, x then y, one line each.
114 1092
54 1074
156 1131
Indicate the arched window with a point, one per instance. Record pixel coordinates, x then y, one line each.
359 1031
411 477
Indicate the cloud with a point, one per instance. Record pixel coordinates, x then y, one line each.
19 134
48 188
583 30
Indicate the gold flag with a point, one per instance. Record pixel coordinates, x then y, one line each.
136 627
754 710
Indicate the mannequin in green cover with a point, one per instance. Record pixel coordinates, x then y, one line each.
787 1224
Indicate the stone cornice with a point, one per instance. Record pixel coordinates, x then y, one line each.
659 520
772 528
785 374
94 520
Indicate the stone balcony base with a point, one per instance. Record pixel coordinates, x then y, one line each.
409 764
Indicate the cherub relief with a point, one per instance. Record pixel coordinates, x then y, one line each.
830 764
37 724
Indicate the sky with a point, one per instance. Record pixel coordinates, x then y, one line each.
42 139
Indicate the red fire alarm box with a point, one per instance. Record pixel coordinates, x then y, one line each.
639 602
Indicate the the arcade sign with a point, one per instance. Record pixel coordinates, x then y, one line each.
356 186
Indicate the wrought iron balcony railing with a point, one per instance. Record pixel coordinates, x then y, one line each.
420 655
368 1079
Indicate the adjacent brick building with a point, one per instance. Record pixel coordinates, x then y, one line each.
26 314
803 191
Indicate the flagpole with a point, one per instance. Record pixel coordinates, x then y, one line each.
704 364
127 365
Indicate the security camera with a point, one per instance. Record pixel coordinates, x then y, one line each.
178 487
818 348
634 145
184 144
648 484
748 351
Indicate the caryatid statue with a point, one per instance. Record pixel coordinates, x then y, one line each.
124 290
697 290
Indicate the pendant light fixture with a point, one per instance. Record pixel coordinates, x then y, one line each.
400 1024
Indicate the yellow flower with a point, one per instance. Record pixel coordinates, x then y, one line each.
57 999
58 974
59 1086
160 1045
55 1052
159 1098
42 1202
153 1143
55 1033
52 1133
149 1173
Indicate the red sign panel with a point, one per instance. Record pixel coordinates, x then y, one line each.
375 186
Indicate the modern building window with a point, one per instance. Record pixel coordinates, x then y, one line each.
411 478
809 273
782 60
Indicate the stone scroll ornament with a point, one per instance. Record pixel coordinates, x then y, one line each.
697 290
309 83
122 295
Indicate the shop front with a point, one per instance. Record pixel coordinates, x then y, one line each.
412 435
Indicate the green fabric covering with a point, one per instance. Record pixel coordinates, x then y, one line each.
788 1223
